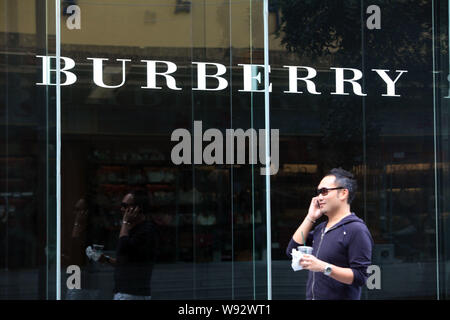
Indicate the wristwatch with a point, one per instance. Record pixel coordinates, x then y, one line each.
327 270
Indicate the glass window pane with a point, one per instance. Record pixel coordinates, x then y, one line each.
379 127
155 94
27 154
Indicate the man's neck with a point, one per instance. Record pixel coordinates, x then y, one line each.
338 216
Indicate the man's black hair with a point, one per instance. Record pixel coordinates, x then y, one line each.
346 180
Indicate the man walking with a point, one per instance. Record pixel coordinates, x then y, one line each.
342 245
136 251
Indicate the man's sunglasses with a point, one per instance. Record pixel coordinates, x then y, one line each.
125 205
324 191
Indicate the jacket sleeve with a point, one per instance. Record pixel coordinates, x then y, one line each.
360 254
293 244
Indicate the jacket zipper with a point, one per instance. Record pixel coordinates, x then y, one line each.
317 255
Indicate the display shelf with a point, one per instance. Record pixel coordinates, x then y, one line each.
172 202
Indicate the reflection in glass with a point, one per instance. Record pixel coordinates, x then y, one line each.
210 218
387 142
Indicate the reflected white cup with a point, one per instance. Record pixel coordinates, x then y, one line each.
98 250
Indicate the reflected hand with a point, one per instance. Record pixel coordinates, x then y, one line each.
102 259
80 223
106 259
81 218
133 216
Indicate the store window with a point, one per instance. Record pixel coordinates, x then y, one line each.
119 135
148 91
441 19
385 138
27 190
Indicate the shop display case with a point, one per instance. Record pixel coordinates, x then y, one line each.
192 222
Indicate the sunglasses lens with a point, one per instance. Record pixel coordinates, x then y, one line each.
323 191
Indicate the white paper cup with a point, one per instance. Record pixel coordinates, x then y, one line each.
305 249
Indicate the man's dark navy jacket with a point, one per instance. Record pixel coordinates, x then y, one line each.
348 244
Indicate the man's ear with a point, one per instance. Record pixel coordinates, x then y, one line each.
343 193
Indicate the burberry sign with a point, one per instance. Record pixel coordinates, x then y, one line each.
212 76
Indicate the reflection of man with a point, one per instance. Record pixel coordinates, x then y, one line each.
342 245
135 251
74 252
